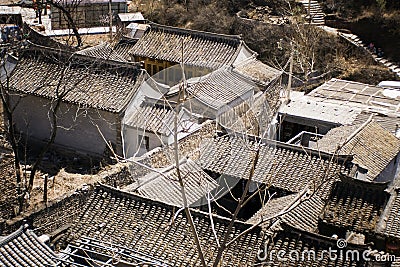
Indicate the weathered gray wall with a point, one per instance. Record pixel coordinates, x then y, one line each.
390 171
77 129
132 141
87 15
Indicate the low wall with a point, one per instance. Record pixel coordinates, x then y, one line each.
47 220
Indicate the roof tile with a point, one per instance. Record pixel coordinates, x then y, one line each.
84 83
200 49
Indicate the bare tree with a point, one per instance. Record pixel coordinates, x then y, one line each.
228 238
61 91
68 10
11 99
12 133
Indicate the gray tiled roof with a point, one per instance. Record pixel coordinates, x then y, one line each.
272 208
188 146
118 52
373 146
392 226
87 82
355 204
332 140
166 188
305 215
159 231
390 123
201 49
279 165
257 71
153 118
290 242
299 211
220 88
23 248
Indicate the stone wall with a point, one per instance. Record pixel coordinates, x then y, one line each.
188 147
8 192
49 220
123 174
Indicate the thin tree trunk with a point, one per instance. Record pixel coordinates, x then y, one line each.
14 144
181 96
40 11
70 21
46 147
45 189
238 208
182 187
13 140
110 18
45 8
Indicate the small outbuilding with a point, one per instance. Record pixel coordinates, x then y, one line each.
92 95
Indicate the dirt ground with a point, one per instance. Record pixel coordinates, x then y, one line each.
88 40
59 185
60 182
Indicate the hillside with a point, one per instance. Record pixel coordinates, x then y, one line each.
272 28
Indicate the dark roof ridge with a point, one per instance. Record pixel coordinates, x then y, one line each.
317 237
13 235
295 148
365 183
223 69
121 71
178 30
115 191
74 55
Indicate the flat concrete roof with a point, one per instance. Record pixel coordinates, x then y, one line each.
313 108
373 98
